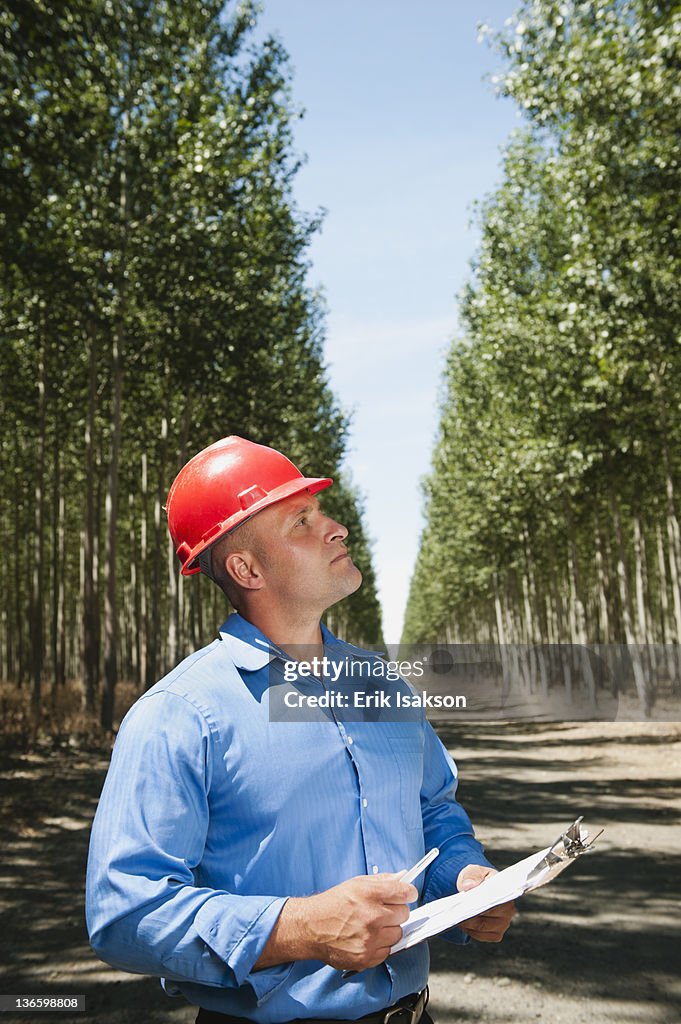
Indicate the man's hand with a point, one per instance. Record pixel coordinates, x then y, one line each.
351 926
490 926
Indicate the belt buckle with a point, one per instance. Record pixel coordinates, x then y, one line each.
413 1019
415 1013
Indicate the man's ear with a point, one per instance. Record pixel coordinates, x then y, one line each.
243 569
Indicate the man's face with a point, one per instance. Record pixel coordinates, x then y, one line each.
304 561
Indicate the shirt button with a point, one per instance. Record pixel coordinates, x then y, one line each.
349 741
375 869
365 802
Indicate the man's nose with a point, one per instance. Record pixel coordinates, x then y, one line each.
334 531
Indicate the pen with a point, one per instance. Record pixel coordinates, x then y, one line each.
410 876
420 866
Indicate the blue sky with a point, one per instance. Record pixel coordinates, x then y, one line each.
402 135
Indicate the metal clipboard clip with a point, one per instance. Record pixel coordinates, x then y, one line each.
568 846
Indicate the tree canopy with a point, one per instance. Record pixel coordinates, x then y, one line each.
553 496
153 299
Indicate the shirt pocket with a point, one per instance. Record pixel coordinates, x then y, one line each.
408 754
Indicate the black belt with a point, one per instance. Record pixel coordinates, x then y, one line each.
408 1010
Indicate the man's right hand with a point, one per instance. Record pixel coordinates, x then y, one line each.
351 926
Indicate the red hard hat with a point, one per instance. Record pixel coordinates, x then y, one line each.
223 486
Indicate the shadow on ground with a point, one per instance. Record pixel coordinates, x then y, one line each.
602 942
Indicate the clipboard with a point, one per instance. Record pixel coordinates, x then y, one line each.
525 875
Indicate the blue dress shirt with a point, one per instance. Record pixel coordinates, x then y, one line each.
212 815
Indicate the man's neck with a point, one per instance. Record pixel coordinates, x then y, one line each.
299 637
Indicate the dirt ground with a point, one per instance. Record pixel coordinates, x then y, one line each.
602 943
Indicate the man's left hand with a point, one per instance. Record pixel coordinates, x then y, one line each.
490 926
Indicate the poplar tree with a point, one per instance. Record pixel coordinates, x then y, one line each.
153 298
558 444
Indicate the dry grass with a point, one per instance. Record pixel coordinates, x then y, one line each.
63 720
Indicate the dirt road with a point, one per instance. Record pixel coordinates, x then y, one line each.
602 943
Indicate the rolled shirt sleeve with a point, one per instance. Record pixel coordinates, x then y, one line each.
145 912
446 826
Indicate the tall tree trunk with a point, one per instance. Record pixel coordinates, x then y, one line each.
673 536
159 547
117 349
501 636
602 577
173 603
572 597
36 617
111 508
579 618
518 677
196 622
674 556
58 511
181 613
642 687
662 583
5 610
134 598
177 639
19 616
550 629
528 630
4 646
80 613
142 580
187 413
665 628
645 618
539 631
641 618
90 595
8 608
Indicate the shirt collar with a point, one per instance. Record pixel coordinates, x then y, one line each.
252 650
344 648
249 648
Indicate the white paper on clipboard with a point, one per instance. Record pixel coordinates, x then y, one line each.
521 877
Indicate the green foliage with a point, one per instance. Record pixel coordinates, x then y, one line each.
154 294
561 406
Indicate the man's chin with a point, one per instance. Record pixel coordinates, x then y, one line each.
352 581
358 581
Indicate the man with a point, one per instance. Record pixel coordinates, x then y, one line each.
255 864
